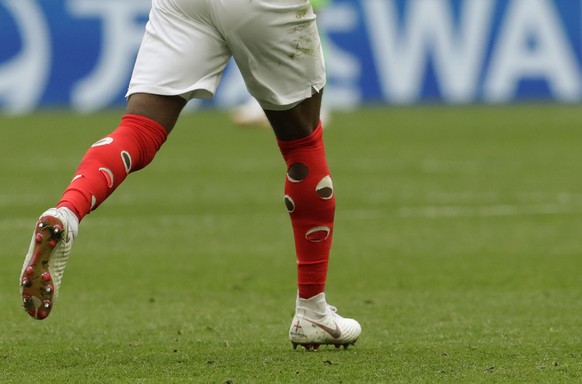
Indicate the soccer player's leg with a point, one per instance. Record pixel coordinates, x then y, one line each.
310 200
290 93
103 168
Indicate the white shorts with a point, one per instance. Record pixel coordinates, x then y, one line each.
187 44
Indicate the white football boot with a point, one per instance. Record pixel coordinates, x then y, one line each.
316 323
45 262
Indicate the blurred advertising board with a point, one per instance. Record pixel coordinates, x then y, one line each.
79 53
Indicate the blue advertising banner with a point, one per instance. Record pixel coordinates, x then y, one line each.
79 53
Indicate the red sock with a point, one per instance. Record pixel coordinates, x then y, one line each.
107 163
310 201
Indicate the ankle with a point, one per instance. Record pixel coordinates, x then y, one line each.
313 306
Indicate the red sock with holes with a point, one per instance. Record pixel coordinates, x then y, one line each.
107 163
310 201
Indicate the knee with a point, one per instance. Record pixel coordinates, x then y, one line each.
164 110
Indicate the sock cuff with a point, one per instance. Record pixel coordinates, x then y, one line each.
310 140
145 124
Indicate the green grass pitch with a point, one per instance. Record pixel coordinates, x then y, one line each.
458 247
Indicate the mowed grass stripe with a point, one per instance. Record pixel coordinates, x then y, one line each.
457 246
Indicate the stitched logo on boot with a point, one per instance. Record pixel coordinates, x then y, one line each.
335 333
297 330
